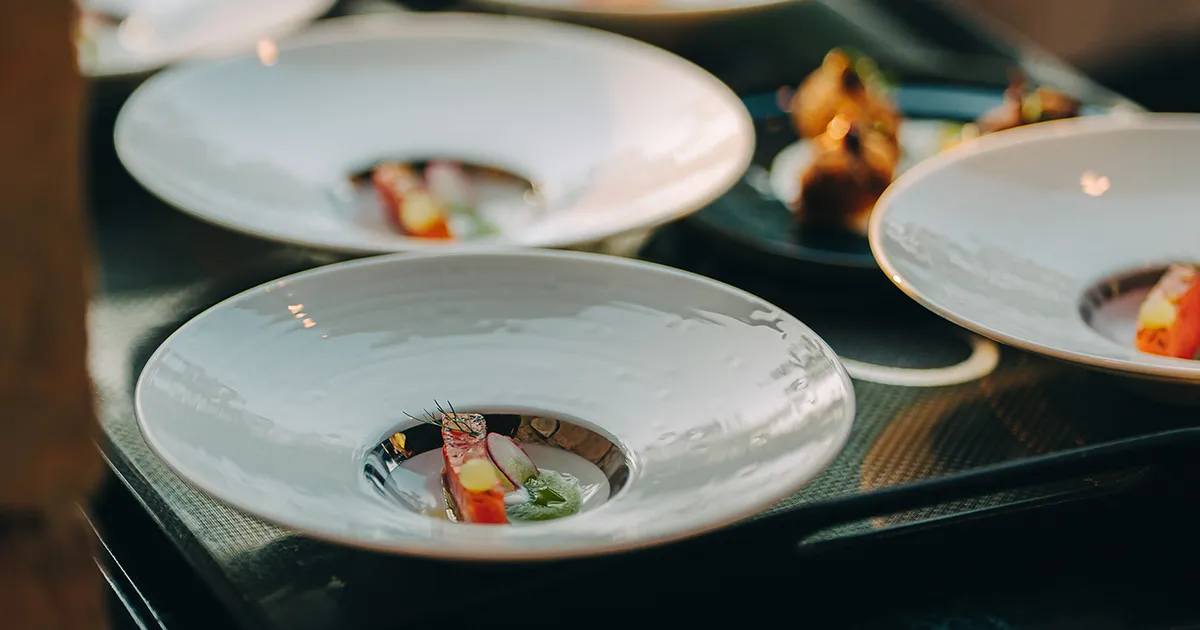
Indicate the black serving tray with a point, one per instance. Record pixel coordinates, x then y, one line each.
1019 438
1114 561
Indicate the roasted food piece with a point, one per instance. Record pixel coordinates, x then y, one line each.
1168 322
842 86
851 168
1007 114
1023 107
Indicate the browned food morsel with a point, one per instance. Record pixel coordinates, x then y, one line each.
851 168
839 87
1021 106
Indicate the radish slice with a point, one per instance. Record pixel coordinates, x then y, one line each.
511 459
449 182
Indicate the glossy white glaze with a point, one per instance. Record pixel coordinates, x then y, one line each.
616 134
723 403
1004 235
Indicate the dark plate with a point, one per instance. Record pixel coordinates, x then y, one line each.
751 219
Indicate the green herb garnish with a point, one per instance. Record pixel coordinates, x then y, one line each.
463 423
868 70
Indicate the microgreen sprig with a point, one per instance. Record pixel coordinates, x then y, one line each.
452 420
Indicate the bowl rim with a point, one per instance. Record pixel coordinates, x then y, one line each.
769 500
395 26
1184 371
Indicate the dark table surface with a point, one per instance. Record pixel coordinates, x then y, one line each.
1111 551
1117 563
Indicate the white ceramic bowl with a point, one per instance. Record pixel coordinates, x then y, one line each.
616 134
721 403
1022 235
156 33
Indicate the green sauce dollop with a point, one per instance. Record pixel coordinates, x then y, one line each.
552 495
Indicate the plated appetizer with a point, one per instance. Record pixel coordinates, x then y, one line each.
1168 321
844 109
831 144
844 85
444 199
1022 106
851 167
489 479
408 202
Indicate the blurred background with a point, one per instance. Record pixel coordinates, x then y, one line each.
1133 48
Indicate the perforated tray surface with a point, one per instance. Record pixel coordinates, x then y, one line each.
162 268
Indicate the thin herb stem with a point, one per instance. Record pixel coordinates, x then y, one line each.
452 420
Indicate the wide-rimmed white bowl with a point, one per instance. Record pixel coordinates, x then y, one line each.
1046 237
156 33
721 403
617 135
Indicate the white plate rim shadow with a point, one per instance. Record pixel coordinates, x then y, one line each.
726 167
639 9
131 64
804 464
1142 366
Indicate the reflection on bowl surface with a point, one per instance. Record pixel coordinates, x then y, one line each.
1111 305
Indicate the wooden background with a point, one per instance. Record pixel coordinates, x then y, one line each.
48 458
